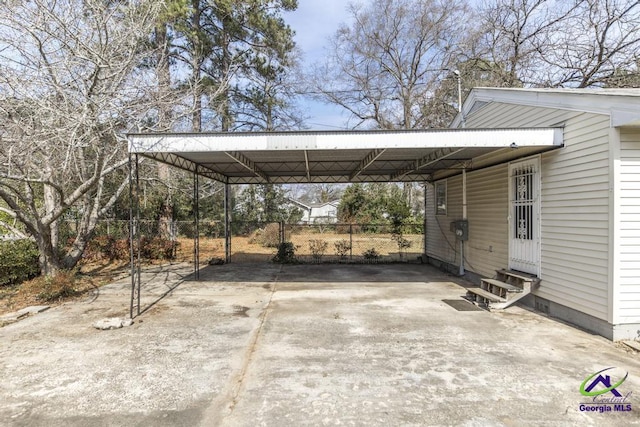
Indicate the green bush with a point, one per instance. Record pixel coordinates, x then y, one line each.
371 255
286 254
18 261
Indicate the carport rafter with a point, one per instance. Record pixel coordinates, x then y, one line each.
248 164
182 163
306 164
366 162
436 156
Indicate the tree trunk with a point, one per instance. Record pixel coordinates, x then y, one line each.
48 259
226 93
196 64
164 124
166 207
74 255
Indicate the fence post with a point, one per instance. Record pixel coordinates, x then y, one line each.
350 242
282 232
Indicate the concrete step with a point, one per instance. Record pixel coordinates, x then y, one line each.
499 284
486 295
505 275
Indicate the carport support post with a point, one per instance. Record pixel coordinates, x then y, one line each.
227 224
134 234
196 225
424 224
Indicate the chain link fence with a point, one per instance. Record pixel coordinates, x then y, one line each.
258 242
356 243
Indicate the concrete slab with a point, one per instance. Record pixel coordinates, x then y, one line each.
303 345
5 319
635 345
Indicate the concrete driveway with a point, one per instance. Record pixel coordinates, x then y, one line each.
305 345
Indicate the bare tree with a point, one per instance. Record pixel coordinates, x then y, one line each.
388 62
598 46
512 34
71 82
556 43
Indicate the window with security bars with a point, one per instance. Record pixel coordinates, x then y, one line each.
523 201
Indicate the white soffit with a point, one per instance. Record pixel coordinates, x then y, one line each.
342 156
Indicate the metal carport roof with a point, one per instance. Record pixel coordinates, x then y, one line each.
341 156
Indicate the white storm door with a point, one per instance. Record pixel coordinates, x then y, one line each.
524 216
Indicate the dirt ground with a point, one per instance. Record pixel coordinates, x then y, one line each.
91 276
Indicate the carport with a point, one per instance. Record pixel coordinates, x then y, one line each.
325 157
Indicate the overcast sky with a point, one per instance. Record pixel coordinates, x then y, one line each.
314 21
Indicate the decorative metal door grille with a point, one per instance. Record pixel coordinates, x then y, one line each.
523 200
524 244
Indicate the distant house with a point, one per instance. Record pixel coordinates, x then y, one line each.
312 213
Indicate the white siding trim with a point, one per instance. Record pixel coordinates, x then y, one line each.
627 291
614 226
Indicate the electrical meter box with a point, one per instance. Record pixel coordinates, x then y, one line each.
461 229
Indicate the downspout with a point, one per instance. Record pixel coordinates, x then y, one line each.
464 217
424 225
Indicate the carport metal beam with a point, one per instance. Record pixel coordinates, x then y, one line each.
248 164
432 158
366 162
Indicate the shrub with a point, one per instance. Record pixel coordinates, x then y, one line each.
52 288
401 242
152 248
343 247
101 247
18 261
158 248
318 248
120 250
371 255
286 253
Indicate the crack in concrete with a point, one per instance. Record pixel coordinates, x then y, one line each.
223 406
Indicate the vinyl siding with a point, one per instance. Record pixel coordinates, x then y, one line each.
629 217
497 115
487 208
441 243
575 218
574 204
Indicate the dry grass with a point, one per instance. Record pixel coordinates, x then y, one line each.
69 286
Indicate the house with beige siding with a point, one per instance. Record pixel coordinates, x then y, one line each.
568 217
